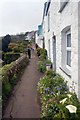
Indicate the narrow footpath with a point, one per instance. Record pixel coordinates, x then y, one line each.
24 100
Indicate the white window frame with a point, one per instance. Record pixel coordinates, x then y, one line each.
68 49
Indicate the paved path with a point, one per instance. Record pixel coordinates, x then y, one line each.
24 103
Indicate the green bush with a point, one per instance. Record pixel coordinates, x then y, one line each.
17 46
42 57
56 99
38 51
6 88
48 61
10 57
16 49
13 80
4 73
50 84
9 49
42 53
41 66
50 73
54 109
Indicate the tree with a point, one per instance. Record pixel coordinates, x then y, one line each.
5 41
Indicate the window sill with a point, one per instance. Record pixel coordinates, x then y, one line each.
68 67
63 6
69 75
49 30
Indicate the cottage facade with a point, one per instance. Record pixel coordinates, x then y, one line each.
39 36
61 31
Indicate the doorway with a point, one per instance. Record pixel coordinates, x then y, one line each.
54 53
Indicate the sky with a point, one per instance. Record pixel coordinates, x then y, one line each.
17 16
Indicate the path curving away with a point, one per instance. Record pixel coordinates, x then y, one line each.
23 103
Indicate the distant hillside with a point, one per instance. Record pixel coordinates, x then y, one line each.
30 35
18 37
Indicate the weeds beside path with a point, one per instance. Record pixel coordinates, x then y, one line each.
23 102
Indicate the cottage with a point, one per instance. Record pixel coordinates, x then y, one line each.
39 37
61 31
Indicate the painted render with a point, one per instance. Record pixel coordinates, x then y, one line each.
68 19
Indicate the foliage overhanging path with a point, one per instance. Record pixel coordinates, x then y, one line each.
23 103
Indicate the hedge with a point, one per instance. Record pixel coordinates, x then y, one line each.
10 57
9 74
56 100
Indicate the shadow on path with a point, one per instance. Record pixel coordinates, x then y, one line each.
23 103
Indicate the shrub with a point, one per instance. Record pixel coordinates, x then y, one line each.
11 45
13 80
16 49
54 109
50 73
42 53
44 85
54 84
43 57
41 66
55 98
6 88
38 51
10 57
48 61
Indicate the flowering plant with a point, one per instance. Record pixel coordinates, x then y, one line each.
57 102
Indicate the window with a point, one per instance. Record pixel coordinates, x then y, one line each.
48 21
63 4
69 40
69 58
68 49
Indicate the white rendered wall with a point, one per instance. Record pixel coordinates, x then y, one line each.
79 50
69 16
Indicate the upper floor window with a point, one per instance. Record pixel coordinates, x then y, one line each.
48 21
63 4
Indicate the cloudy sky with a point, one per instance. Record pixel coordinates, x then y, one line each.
18 16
